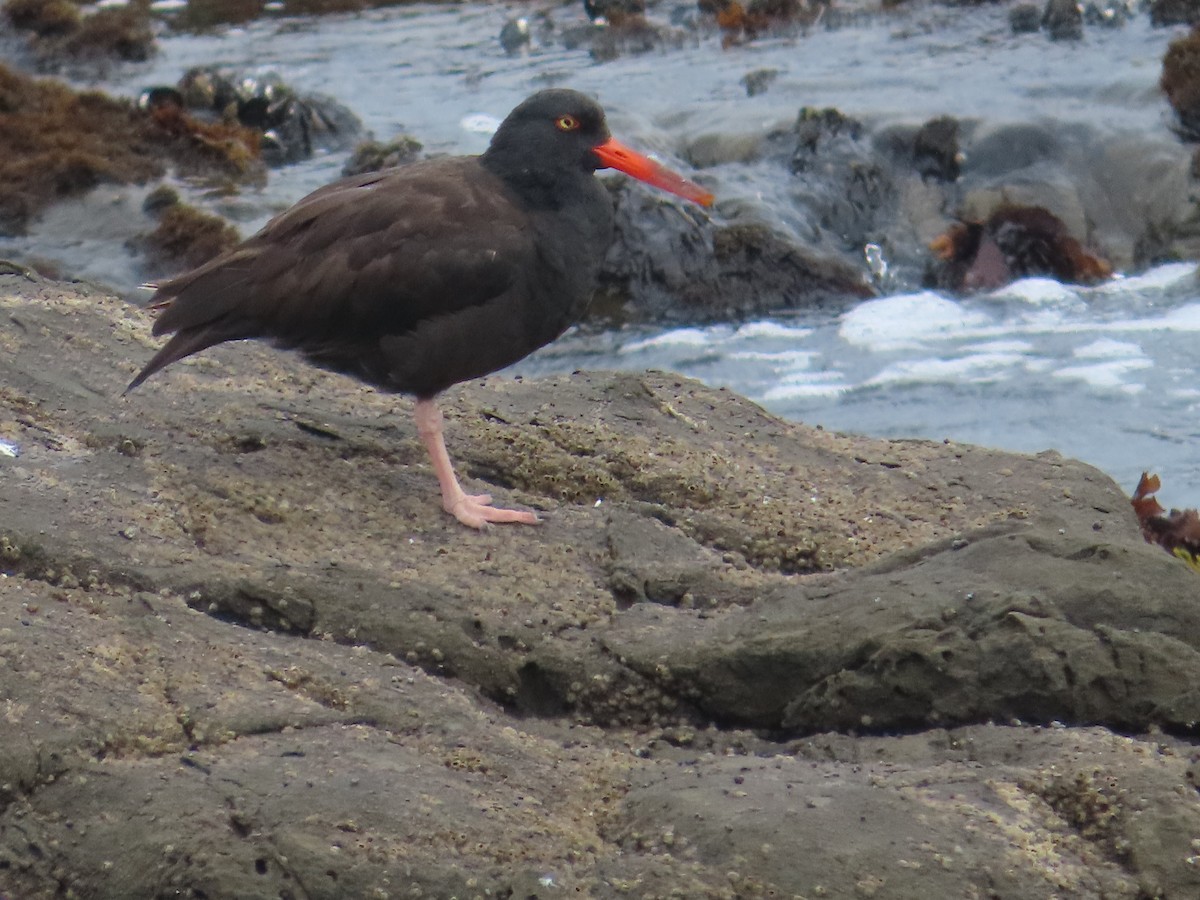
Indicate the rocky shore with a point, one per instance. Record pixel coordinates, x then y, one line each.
246 655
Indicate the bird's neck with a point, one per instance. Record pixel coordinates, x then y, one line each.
539 186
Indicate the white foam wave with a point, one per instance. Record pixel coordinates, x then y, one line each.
1110 375
679 337
768 329
1038 292
479 123
1165 276
1001 346
981 367
907 320
777 358
1108 348
797 387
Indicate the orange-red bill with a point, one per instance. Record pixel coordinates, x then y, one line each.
616 155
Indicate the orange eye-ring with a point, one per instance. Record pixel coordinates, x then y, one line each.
566 123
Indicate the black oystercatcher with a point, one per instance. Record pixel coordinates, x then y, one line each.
416 278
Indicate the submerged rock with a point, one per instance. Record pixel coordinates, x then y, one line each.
1025 18
514 36
758 81
614 11
1063 20
1174 12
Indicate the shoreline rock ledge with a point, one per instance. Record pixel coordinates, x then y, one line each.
243 655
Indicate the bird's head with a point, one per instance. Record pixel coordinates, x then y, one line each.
565 130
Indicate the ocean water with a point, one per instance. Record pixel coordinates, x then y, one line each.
1108 374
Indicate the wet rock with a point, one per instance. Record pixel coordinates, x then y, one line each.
1063 20
630 34
936 152
614 12
60 29
1025 18
872 198
1015 147
758 81
1108 13
45 18
185 237
668 263
828 142
242 702
371 156
1174 12
288 127
205 15
846 183
740 22
62 143
293 126
229 147
1013 242
202 15
1128 197
754 260
816 129
1180 81
715 148
514 36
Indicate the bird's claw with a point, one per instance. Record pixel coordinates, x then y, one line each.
476 511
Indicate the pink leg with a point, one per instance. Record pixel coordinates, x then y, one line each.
473 510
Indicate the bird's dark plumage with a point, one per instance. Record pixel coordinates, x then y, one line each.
416 278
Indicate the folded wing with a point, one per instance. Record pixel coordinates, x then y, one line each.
351 274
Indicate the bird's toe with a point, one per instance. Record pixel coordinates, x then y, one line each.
477 512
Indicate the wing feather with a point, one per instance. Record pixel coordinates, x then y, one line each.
371 255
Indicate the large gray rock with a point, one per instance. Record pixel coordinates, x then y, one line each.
243 653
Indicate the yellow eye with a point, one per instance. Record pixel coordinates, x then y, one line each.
566 123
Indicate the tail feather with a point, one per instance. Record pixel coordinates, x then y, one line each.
182 343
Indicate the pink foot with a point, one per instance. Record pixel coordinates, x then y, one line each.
476 510
473 510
